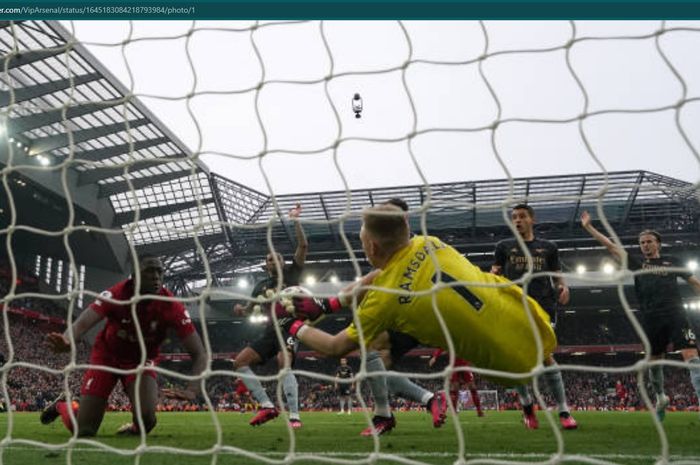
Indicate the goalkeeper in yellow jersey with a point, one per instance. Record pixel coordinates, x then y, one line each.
487 319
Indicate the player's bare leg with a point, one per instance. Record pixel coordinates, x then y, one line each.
246 358
454 395
148 395
90 415
475 398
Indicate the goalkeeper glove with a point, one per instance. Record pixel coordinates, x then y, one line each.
313 309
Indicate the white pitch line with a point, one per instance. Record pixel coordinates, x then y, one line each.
489 455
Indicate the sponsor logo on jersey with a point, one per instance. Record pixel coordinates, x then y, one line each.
659 270
105 295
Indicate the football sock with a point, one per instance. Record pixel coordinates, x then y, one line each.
556 388
377 384
476 399
695 374
255 388
454 397
349 404
656 376
342 403
291 393
404 387
524 394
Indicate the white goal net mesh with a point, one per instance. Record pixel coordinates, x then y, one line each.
121 122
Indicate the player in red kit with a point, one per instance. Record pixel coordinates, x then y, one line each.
621 392
117 346
241 388
458 379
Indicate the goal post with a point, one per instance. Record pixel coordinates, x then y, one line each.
488 398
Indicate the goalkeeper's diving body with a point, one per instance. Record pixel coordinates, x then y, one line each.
487 321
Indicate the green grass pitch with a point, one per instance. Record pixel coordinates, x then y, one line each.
619 437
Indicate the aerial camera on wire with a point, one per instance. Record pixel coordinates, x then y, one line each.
357 105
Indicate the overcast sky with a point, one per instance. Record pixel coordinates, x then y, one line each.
617 75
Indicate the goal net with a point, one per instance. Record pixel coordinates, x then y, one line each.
209 145
488 398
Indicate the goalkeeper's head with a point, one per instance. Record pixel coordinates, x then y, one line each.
272 261
384 232
401 203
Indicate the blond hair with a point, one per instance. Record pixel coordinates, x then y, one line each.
386 225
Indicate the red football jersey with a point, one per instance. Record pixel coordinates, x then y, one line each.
620 390
118 340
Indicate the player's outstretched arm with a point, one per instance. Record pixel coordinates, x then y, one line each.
499 260
194 346
243 310
600 237
695 284
330 345
61 343
302 244
563 293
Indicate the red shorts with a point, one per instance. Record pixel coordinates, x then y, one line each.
100 383
241 388
464 377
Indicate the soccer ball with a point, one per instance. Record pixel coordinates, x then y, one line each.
287 295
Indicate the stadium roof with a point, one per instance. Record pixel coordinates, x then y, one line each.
468 215
128 176
61 105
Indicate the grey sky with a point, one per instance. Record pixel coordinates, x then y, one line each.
617 74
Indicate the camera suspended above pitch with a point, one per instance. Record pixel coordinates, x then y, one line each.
357 105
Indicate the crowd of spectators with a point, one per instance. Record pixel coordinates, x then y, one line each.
31 388
585 390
